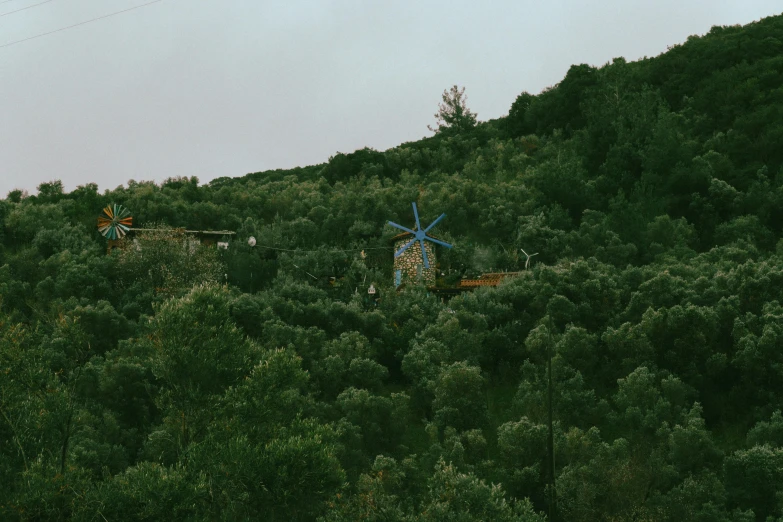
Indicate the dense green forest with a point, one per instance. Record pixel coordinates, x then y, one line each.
171 382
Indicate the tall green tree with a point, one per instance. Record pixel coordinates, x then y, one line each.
453 112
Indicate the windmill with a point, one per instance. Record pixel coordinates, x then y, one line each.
527 261
403 244
114 222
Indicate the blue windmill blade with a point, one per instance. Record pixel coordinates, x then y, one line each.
392 223
416 215
434 222
424 254
404 247
438 241
420 234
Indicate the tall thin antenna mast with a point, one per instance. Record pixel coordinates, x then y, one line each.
550 436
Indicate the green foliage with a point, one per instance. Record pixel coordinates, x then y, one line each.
196 354
463 497
167 261
459 399
522 447
453 113
753 480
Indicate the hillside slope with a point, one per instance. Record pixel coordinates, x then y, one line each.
263 382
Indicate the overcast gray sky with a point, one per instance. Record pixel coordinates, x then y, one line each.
225 87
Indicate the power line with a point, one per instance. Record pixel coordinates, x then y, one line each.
322 250
24 8
6 1
80 23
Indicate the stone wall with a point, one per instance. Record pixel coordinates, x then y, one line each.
410 261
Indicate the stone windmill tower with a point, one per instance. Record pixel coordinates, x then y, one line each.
414 259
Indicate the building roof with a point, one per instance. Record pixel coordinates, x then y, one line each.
491 279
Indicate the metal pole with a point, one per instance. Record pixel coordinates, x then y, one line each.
550 437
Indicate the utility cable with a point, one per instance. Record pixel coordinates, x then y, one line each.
314 251
24 8
80 23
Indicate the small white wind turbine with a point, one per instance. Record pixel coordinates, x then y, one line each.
527 261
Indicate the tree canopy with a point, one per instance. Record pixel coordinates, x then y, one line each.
453 113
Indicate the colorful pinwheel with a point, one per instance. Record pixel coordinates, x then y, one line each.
115 222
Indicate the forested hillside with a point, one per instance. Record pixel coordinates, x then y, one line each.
169 382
